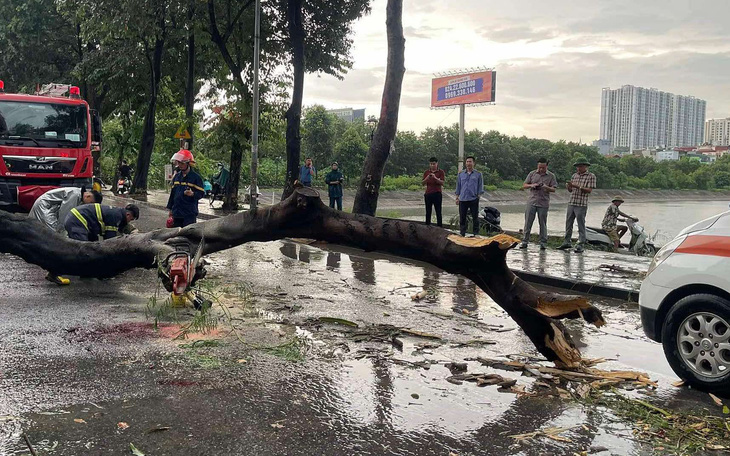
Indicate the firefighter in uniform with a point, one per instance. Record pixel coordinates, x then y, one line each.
187 189
89 222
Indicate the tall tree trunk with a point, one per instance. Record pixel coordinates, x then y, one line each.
190 80
148 132
304 215
294 113
230 201
366 198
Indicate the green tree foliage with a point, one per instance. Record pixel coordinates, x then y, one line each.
504 160
39 44
350 152
320 130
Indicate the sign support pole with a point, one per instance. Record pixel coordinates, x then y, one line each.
462 115
255 121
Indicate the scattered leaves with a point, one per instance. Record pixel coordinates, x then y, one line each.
122 425
716 399
134 450
79 420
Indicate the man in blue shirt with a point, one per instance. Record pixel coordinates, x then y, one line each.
187 189
307 173
469 185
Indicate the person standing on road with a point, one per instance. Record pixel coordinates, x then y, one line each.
433 179
469 186
54 205
580 186
334 179
307 172
187 190
609 224
541 184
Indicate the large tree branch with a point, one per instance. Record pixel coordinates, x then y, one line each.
232 25
304 215
216 37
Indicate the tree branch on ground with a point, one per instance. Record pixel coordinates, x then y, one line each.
303 215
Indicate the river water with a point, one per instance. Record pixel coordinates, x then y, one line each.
663 219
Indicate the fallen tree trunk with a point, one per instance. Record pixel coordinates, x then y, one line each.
303 215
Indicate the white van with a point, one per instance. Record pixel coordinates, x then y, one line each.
685 303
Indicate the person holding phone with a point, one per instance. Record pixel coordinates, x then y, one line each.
580 186
433 179
541 184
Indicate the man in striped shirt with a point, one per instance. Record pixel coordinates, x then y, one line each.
580 186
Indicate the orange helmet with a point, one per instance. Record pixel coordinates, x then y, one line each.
183 155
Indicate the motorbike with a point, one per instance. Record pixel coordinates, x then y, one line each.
491 220
640 243
219 184
247 195
123 186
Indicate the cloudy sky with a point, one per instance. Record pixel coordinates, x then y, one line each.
552 58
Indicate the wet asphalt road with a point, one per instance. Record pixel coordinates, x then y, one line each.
79 364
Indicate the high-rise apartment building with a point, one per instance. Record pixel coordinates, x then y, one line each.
717 132
638 118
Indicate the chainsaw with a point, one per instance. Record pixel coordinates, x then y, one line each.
180 271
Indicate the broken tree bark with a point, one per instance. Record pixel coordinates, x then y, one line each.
304 215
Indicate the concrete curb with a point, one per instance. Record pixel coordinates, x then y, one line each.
577 286
540 279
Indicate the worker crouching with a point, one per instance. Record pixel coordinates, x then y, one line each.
89 222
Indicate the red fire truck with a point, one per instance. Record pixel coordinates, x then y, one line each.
45 142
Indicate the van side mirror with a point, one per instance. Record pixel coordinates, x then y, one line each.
95 126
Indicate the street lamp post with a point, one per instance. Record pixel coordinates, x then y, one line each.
255 120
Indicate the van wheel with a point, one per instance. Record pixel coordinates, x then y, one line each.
696 339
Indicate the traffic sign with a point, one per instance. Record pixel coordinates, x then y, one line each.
182 133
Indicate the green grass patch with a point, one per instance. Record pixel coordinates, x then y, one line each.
202 360
293 351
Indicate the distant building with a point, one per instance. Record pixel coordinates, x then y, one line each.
603 145
348 114
717 132
638 118
663 155
702 158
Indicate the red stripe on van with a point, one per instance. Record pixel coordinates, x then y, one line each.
706 245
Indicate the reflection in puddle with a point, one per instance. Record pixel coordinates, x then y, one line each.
398 276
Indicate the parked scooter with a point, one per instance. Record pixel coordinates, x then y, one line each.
491 220
640 243
123 186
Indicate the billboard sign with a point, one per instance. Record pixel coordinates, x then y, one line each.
461 89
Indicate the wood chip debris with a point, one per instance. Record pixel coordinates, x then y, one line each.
621 269
552 433
482 379
595 378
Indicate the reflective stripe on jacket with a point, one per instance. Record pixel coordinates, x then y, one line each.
98 220
180 204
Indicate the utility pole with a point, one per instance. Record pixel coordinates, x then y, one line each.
255 123
462 116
